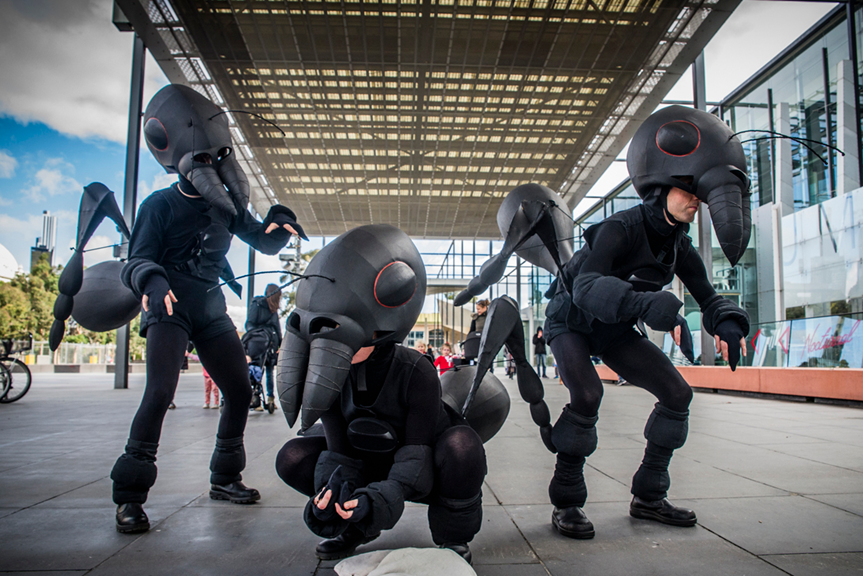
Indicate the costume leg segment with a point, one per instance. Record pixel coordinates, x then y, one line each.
455 511
665 431
134 472
644 365
225 360
574 436
228 460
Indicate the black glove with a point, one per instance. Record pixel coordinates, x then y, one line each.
730 332
659 309
363 508
156 290
341 491
685 346
282 215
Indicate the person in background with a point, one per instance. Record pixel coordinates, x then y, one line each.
425 351
477 322
539 351
209 385
264 315
444 361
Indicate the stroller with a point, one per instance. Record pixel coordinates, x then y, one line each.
509 363
258 349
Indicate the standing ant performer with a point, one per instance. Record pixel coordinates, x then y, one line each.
176 258
678 158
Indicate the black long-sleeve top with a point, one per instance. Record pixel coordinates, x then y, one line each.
419 397
169 229
639 254
611 244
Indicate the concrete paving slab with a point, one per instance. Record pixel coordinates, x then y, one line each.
781 525
60 539
849 502
230 539
51 573
625 546
837 454
820 564
747 459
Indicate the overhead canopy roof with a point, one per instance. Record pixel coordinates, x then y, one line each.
425 113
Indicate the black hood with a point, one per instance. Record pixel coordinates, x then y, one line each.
696 152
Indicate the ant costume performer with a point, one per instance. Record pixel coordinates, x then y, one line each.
388 437
176 258
617 278
615 281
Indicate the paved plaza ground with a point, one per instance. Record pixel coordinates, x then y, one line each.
777 485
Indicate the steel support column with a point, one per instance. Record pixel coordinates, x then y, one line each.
130 195
850 7
251 283
705 241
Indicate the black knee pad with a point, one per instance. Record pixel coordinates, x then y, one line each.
574 434
667 428
455 521
229 459
134 473
567 487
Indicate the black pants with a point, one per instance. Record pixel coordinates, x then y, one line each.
641 364
225 360
455 505
632 356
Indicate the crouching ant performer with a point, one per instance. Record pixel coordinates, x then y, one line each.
176 259
678 159
388 437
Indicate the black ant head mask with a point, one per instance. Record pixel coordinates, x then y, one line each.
365 288
696 152
189 135
537 222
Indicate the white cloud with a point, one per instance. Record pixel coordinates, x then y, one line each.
51 180
99 249
66 65
160 181
18 234
7 164
237 312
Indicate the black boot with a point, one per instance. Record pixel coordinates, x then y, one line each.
131 518
236 492
343 545
661 511
572 522
460 548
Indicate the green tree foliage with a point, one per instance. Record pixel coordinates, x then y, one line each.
27 305
14 310
27 301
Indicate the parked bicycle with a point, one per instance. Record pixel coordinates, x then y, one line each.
15 376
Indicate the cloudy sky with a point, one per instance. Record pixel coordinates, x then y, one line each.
64 109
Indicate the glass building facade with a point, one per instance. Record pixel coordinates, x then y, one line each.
805 77
807 219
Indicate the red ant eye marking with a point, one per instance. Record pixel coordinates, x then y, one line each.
395 285
156 135
678 138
